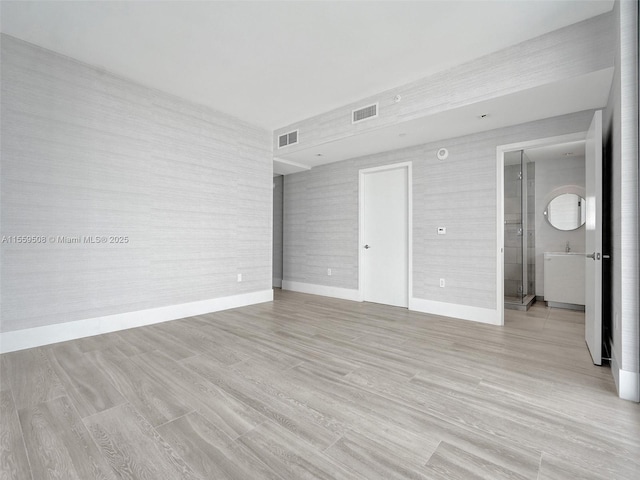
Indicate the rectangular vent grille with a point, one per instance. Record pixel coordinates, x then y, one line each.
370 111
288 139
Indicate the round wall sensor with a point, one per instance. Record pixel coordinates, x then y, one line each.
443 153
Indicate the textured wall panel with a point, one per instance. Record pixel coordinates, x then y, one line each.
88 153
321 214
621 118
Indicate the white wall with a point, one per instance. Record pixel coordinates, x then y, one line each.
321 215
553 174
86 153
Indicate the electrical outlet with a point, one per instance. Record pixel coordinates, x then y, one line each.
239 277
329 271
442 282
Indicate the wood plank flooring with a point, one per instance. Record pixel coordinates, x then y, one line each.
311 387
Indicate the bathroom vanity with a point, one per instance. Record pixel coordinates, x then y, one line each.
564 279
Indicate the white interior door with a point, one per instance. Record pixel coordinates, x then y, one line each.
593 267
385 236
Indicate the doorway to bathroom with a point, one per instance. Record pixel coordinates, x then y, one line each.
519 231
587 232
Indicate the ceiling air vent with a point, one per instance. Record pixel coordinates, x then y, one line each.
288 139
370 111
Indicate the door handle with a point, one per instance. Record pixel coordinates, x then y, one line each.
594 256
367 247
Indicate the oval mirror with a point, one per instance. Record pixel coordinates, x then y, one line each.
566 212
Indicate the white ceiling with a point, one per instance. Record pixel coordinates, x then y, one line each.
557 152
549 153
576 94
273 63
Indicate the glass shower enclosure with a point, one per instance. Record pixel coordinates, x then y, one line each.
519 231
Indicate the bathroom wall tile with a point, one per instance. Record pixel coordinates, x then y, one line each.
511 288
531 255
512 205
512 238
531 223
510 255
513 188
510 218
511 173
531 239
513 271
531 170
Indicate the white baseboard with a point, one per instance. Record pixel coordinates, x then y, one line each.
61 332
276 282
464 312
476 314
626 382
324 290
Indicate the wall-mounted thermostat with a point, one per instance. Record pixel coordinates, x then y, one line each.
442 230
443 153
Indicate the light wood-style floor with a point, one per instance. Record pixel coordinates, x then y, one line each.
312 387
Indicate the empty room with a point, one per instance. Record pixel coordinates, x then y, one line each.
319 239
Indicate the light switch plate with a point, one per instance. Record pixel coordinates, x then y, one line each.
442 230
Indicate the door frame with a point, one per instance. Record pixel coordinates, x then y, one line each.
361 175
500 151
